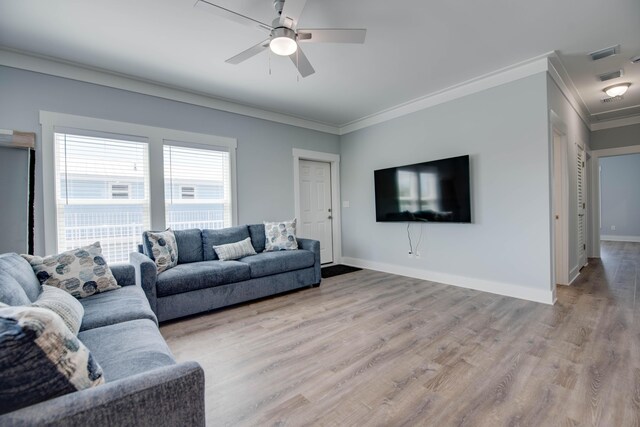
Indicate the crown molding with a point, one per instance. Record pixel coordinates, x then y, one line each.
614 123
499 77
74 71
561 77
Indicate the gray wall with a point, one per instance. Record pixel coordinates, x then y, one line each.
620 196
505 131
577 132
14 199
264 161
623 136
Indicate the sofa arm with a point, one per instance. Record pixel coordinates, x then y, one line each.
124 273
168 396
313 246
146 276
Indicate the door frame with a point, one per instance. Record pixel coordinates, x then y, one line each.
334 161
561 226
595 191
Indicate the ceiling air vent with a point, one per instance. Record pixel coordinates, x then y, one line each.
612 99
636 59
605 53
610 76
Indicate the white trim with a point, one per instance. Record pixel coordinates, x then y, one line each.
564 82
573 274
615 123
595 189
499 77
155 137
336 211
506 289
83 73
611 238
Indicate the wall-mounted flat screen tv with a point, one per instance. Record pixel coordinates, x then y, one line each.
436 191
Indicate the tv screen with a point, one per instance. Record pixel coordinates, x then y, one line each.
436 191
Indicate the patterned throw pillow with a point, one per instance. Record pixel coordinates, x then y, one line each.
280 236
235 250
163 248
64 305
40 358
81 272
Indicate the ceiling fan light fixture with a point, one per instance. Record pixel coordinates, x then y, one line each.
283 41
617 90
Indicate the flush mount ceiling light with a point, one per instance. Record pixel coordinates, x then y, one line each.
283 41
617 90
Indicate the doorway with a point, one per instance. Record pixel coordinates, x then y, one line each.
317 200
560 208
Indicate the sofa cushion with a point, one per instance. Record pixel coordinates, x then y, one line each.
200 275
11 292
63 304
211 238
256 231
127 348
18 268
189 245
124 304
268 263
80 271
40 358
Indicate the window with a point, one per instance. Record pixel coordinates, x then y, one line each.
103 180
119 191
102 192
197 187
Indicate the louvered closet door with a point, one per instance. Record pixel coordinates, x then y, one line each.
582 205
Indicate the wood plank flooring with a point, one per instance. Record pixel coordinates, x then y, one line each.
370 348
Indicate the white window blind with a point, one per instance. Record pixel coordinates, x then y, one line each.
197 187
102 192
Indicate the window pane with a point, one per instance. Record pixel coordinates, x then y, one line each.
197 188
102 193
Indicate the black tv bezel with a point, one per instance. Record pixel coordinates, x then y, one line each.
375 193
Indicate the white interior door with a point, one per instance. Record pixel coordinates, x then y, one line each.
559 213
315 206
582 206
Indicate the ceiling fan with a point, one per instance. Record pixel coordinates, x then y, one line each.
284 35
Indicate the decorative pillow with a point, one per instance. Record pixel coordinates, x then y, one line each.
64 305
280 235
163 248
81 272
40 358
235 250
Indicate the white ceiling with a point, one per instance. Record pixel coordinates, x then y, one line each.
413 48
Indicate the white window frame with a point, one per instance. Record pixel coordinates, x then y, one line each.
52 122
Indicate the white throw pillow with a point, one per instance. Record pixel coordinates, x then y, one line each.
81 272
280 236
235 250
63 304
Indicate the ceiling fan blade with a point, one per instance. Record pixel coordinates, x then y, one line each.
301 62
291 13
252 51
231 15
328 35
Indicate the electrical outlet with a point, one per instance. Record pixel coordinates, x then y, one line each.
613 228
418 255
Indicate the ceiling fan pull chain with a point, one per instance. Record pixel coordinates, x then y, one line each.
297 65
269 62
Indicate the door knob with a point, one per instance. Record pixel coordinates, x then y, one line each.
329 217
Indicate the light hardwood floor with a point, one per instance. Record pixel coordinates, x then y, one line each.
370 348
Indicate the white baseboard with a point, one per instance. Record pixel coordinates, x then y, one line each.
510 290
621 238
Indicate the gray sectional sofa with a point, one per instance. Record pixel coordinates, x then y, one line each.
201 282
144 384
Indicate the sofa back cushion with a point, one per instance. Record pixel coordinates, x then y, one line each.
18 268
256 231
189 245
11 293
211 238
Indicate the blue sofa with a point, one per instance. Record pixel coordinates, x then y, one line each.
144 384
201 282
